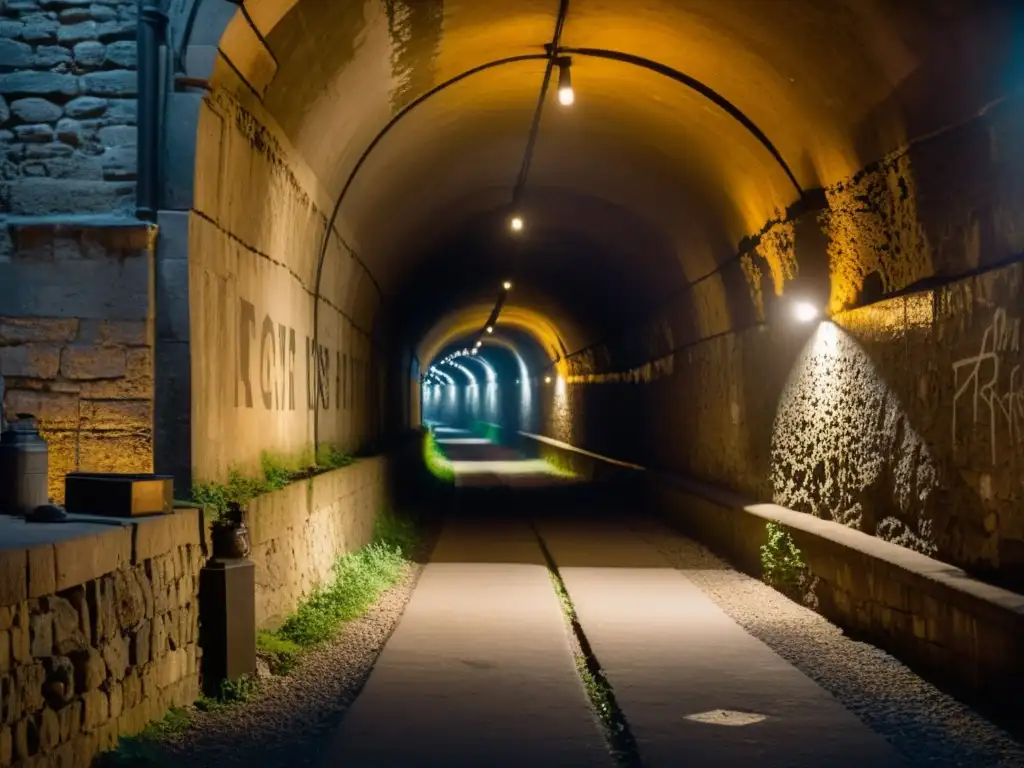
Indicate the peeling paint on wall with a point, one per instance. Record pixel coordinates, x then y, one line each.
873 229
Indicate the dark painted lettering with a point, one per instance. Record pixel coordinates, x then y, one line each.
246 331
267 356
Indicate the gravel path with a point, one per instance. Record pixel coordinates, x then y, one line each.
928 727
293 717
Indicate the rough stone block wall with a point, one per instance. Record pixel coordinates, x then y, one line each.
300 531
76 346
98 636
67 106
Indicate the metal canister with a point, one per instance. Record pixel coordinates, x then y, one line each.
24 461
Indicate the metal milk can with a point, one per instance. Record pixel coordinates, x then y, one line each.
24 461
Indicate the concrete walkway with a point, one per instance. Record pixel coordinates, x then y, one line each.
480 671
694 687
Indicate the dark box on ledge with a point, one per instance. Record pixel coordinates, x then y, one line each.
117 495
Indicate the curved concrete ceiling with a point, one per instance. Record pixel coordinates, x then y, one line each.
831 85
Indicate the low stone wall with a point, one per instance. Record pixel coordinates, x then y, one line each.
585 465
930 614
98 632
300 531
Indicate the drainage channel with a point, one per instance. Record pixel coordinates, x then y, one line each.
621 743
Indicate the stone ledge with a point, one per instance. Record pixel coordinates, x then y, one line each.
111 231
931 615
38 559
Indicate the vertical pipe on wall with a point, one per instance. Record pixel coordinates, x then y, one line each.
151 25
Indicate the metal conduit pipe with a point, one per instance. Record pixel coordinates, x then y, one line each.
151 28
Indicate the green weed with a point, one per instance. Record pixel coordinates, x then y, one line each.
275 473
359 578
437 463
781 562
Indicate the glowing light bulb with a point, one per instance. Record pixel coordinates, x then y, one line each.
804 311
478 345
490 329
516 224
507 285
565 93
547 379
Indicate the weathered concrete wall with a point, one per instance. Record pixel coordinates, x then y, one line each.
299 532
900 419
67 106
252 276
98 635
76 332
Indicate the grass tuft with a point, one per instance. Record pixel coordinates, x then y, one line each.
437 463
275 473
359 579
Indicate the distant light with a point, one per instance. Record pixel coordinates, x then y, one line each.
507 285
474 351
516 223
804 311
490 329
547 379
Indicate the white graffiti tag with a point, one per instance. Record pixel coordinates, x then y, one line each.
981 379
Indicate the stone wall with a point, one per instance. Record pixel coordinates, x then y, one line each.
76 342
67 106
98 634
299 532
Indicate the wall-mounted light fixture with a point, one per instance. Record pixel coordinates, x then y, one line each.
566 96
804 311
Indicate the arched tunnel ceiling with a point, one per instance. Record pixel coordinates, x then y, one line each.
833 85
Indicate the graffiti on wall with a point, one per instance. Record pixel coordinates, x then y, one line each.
989 385
266 367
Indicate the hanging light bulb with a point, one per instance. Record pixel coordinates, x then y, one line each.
475 351
490 329
507 285
566 96
516 223
479 344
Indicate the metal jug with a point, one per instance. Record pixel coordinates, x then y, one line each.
24 461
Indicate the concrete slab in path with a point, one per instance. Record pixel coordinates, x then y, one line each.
696 689
479 671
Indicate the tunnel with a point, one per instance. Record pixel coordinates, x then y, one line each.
770 249
682 324
732 242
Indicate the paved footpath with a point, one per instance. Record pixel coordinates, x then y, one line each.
695 688
479 671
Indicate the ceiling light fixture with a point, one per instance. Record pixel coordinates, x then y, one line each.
566 96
